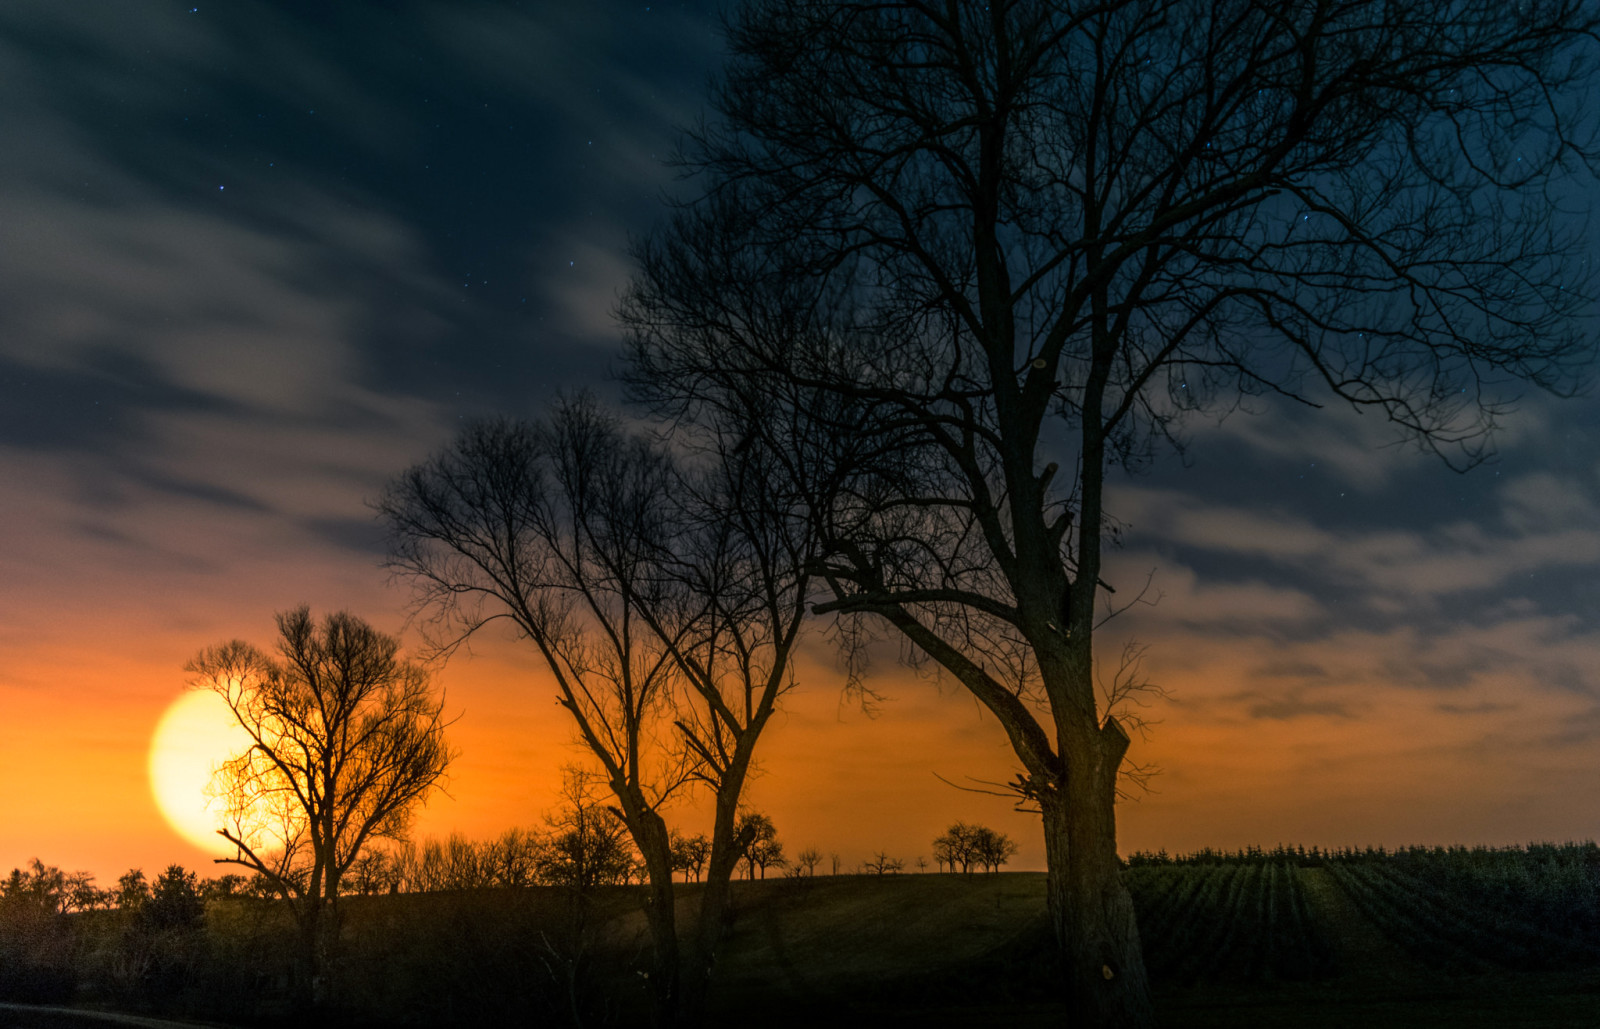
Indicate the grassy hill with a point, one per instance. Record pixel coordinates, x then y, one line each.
1417 939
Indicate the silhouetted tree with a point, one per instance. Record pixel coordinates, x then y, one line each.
371 872
665 596
689 854
174 902
957 846
993 849
36 939
50 889
225 886
132 891
346 740
809 859
513 859
758 839
882 864
588 844
996 249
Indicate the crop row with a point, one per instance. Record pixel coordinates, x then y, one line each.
1454 924
1230 922
1244 917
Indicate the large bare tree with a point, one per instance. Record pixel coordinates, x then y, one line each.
346 740
997 249
666 595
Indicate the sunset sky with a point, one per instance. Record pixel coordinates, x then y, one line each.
258 258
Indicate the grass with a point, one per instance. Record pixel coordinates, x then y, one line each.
1261 942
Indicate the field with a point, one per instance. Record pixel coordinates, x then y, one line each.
1414 938
1420 938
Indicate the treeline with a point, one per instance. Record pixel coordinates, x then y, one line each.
58 931
1581 854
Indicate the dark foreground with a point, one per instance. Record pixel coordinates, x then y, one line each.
1266 942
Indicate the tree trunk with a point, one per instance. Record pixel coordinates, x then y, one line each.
665 974
661 914
715 903
1090 908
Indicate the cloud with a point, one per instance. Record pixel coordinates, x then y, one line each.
1177 596
1358 446
584 281
1291 704
1546 523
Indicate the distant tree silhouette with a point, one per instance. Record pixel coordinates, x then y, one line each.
995 250
346 740
666 597
371 872
48 888
758 838
132 890
809 859
957 846
993 849
513 859
968 845
36 938
174 902
588 844
882 864
225 886
689 854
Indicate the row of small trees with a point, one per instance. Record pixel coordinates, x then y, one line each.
48 889
973 845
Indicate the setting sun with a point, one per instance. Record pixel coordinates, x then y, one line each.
196 734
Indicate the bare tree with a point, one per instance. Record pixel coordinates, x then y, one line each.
665 595
998 249
993 849
512 859
808 860
346 740
882 864
689 854
759 843
372 872
957 846
588 844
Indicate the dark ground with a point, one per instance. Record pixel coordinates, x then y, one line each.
937 951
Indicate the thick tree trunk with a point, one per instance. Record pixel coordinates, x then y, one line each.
1090 907
710 927
715 899
664 975
661 914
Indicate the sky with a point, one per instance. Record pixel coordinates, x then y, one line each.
258 258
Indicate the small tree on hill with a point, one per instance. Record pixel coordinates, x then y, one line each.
689 853
808 860
957 846
759 843
993 849
882 864
132 890
589 844
175 902
346 740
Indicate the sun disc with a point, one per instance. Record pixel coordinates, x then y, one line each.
195 735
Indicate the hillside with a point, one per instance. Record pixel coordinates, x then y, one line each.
1425 939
